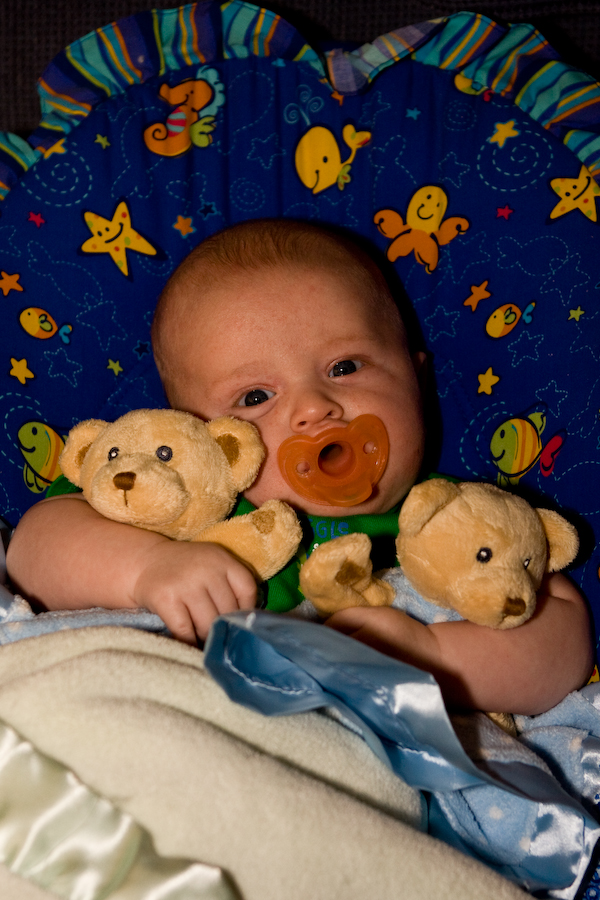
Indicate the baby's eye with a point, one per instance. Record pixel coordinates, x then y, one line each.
345 367
255 397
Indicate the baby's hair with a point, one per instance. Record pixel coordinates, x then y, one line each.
260 244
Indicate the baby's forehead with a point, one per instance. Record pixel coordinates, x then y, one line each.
212 302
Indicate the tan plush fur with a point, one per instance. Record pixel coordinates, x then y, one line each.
169 472
480 550
469 547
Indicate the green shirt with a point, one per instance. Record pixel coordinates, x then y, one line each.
282 591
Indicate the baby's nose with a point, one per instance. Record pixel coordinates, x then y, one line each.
312 409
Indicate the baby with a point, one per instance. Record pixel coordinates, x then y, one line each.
294 329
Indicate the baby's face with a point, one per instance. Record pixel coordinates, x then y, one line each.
295 351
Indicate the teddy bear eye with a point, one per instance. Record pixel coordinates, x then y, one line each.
164 454
484 554
526 563
113 452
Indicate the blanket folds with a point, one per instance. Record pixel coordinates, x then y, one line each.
531 817
291 807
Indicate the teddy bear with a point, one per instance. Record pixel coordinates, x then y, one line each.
466 550
467 547
170 472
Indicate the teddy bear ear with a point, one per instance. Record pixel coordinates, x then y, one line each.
562 537
79 441
242 446
424 500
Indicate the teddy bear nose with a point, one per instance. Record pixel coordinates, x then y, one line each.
514 606
124 481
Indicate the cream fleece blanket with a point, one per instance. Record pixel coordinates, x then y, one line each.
295 807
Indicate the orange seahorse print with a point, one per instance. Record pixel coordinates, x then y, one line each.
173 137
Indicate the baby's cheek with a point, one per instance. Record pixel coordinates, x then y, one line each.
269 485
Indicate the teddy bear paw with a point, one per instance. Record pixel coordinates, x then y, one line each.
338 575
280 533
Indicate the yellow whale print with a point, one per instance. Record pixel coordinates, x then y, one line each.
318 159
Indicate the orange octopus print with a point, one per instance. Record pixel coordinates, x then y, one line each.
425 229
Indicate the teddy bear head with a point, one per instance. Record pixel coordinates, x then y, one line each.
163 470
480 550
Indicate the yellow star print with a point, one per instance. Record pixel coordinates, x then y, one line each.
102 140
19 370
9 282
576 313
576 193
487 381
503 131
115 365
115 236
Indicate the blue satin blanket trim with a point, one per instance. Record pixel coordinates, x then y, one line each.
526 807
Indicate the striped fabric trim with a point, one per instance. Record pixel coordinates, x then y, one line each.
350 72
516 62
16 156
519 64
108 61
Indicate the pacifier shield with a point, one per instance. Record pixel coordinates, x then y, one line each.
340 466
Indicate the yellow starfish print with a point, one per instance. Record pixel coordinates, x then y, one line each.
19 370
115 236
503 131
487 381
576 193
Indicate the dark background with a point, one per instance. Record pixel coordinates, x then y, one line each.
32 32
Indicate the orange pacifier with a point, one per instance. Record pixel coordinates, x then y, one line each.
338 467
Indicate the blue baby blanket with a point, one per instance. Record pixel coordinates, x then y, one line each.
526 807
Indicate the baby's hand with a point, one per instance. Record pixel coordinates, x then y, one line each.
189 584
389 630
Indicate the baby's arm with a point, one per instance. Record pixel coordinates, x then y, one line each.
67 556
523 670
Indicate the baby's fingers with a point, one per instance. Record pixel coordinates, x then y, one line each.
181 625
244 588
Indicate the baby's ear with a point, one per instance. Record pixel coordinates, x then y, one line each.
562 537
242 446
423 502
79 441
